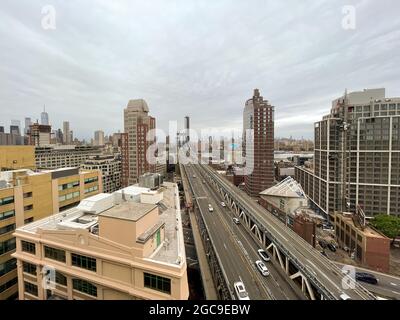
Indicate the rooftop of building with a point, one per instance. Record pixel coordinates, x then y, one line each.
367 231
288 188
10 178
138 105
132 211
85 216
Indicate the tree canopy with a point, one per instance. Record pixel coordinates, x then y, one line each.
389 225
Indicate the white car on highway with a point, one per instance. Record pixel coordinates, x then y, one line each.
240 290
210 208
236 220
263 254
223 204
262 268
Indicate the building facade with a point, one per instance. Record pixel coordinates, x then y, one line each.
27 196
111 169
258 142
98 138
53 157
137 125
66 133
356 156
39 135
109 247
370 248
17 157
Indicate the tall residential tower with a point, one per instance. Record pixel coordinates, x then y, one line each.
258 133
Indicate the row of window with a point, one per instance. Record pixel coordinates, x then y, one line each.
150 281
6 229
8 266
70 185
6 200
59 255
90 180
8 284
7 214
7 246
91 189
69 196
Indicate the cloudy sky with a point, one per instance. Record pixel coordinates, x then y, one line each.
196 58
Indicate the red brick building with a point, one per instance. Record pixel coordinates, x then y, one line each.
258 143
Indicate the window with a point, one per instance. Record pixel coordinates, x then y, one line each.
157 283
28 220
6 229
91 189
83 262
29 268
8 266
61 279
55 254
90 180
29 207
31 288
84 286
27 194
7 246
7 214
9 284
28 247
7 200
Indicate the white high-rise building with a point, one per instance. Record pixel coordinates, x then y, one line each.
99 138
66 133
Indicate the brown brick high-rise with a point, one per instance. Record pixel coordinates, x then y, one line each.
258 133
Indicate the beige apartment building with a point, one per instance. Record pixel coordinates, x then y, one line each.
126 245
27 196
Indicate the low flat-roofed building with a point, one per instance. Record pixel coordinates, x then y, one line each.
370 247
106 248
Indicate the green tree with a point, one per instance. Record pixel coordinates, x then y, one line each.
389 225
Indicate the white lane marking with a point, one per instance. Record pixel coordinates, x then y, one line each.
225 246
393 284
396 292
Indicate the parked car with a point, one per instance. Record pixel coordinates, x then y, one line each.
262 268
223 204
194 176
240 290
366 277
236 220
331 247
263 254
323 244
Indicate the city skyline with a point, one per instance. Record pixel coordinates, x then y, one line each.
91 80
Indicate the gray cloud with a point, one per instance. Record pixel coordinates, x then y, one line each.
199 58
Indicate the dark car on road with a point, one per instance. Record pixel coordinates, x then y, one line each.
331 247
366 277
322 243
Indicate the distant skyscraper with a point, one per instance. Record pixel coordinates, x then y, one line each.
137 124
66 133
187 128
258 120
99 138
28 122
15 127
44 117
1 129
